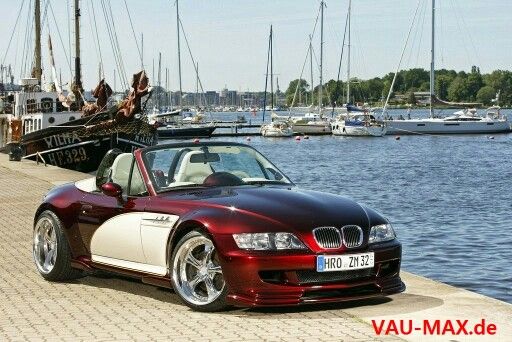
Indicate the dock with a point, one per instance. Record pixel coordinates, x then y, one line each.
116 308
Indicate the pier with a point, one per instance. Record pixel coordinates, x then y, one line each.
104 307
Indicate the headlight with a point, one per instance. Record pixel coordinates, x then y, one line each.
381 233
268 241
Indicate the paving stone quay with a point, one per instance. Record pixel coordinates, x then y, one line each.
106 308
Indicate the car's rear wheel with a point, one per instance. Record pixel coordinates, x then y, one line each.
51 251
196 273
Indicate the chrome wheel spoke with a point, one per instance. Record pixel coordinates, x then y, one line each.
214 269
202 282
48 260
193 261
210 288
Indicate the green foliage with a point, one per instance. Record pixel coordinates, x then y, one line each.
449 85
485 95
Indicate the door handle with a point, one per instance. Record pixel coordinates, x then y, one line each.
86 208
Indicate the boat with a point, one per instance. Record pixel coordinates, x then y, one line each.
81 144
467 121
355 120
48 127
312 123
170 125
276 128
359 125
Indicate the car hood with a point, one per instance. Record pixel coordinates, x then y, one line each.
290 206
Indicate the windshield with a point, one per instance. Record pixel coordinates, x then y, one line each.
216 165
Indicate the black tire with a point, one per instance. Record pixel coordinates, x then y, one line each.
219 304
61 270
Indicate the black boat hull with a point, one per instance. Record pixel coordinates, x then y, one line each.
82 149
185 132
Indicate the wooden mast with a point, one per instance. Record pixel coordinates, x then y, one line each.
77 89
37 71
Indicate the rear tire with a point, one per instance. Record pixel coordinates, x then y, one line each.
197 275
51 251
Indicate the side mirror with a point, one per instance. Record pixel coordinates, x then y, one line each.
112 189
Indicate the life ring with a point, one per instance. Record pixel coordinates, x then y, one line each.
46 106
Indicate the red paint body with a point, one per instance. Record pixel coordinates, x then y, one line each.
254 278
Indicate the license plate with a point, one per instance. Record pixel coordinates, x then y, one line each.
330 263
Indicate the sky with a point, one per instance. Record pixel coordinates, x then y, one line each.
229 38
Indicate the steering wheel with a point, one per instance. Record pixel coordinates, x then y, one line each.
222 179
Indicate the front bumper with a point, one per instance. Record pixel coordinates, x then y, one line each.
274 279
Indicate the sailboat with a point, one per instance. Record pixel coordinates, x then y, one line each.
356 121
312 123
276 128
461 122
41 129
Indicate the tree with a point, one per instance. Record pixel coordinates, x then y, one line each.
485 95
457 91
411 99
442 84
290 92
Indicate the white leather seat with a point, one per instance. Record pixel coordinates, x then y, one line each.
193 172
121 170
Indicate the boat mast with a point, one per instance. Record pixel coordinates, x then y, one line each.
197 85
159 93
322 4
348 51
432 59
311 67
37 67
78 76
271 71
179 51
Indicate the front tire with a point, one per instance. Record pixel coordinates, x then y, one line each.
196 273
51 251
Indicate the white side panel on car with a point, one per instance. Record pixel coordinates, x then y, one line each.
135 241
155 230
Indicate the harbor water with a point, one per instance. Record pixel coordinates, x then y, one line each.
448 197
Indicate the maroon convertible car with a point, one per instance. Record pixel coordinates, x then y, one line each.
219 224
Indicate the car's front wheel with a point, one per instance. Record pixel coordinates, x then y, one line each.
196 273
51 251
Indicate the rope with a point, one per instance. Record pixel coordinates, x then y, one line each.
94 31
133 31
13 30
60 37
305 60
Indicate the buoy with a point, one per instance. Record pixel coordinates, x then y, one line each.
306 137
248 138
297 138
491 137
196 140
397 137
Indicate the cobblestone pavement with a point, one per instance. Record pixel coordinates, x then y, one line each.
114 308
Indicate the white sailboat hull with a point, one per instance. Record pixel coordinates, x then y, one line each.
312 128
339 128
440 126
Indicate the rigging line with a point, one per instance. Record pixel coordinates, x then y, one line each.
460 30
114 47
401 57
109 31
118 46
26 41
193 61
468 32
133 31
305 59
415 43
341 59
68 5
13 31
96 41
97 37
60 36
422 15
